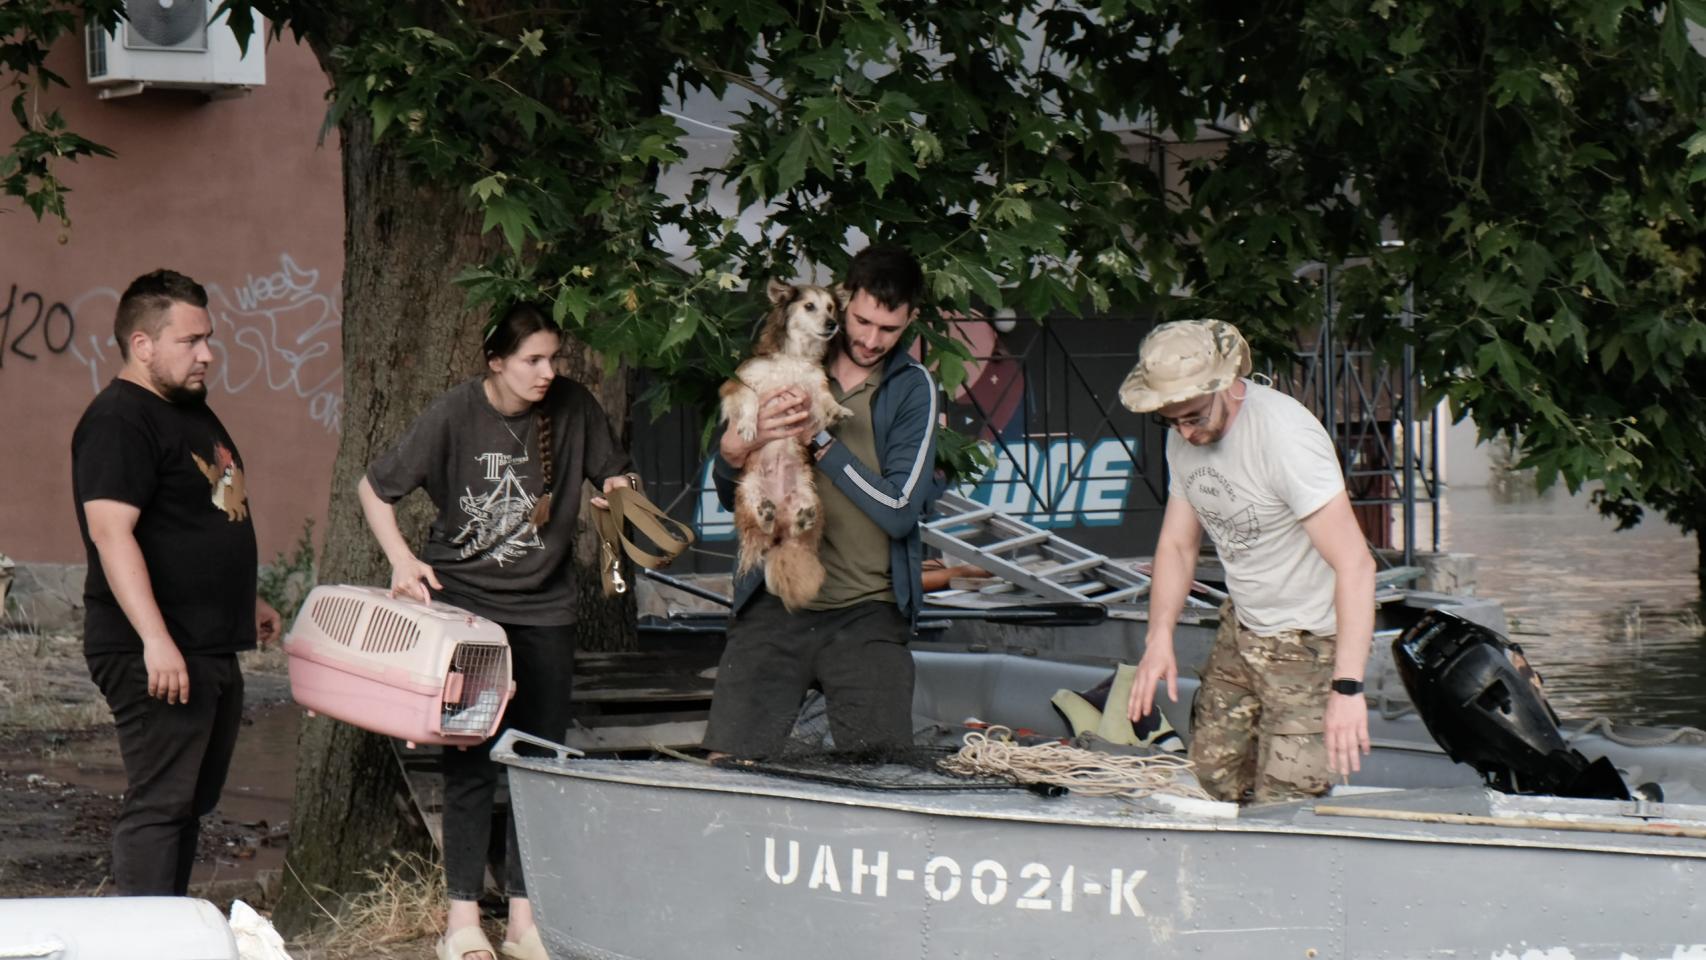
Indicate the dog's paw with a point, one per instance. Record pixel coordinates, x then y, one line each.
766 515
839 413
748 431
805 518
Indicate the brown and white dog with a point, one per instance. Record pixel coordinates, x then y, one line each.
777 512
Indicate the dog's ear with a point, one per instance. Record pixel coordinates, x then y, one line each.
779 292
774 333
842 296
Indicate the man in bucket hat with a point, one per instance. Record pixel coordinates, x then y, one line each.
1281 704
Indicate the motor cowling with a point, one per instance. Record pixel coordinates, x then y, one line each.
1485 706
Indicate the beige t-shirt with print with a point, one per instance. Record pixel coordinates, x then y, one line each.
1252 490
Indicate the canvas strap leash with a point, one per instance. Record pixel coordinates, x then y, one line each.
670 537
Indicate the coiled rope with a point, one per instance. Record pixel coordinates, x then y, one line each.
992 752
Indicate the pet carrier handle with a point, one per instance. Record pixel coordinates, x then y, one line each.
506 745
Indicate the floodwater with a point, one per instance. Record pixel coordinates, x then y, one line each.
258 787
1611 619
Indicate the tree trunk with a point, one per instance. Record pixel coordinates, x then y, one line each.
407 337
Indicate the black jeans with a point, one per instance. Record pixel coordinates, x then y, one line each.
175 760
858 654
543 660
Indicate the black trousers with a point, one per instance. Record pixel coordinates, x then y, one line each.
543 659
175 757
857 654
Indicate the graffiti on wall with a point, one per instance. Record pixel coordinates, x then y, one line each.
272 332
1062 482
281 332
32 325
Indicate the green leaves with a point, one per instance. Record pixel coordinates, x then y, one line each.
802 148
1408 41
881 157
1691 9
1502 357
1520 85
1589 267
1543 165
513 217
681 329
29 168
384 111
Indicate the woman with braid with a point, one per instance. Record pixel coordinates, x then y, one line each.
502 457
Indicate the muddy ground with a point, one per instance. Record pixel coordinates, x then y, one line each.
61 782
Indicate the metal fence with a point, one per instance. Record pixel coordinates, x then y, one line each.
1389 445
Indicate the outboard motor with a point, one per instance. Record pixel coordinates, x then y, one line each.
1484 704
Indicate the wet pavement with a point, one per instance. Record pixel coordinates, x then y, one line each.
1611 619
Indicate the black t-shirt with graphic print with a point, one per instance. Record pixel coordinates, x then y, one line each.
176 463
483 472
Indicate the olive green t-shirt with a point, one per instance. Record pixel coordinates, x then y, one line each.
854 551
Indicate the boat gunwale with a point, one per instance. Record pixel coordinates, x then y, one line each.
1266 820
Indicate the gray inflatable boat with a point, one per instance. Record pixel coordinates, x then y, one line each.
1416 857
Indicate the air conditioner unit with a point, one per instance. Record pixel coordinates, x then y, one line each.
172 43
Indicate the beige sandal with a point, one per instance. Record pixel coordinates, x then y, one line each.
457 944
529 947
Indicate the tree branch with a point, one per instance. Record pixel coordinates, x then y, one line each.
738 79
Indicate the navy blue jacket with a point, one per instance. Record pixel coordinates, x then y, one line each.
896 495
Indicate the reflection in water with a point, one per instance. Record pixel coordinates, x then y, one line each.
258 788
1612 620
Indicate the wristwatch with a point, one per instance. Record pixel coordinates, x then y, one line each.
817 443
1346 686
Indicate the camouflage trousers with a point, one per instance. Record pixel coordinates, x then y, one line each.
1256 724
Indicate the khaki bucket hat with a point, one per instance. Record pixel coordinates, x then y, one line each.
1183 360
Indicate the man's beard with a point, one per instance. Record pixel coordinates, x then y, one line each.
1215 432
178 392
846 344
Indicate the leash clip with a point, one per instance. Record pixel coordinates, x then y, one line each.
617 584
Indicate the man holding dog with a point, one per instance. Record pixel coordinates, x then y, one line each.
1281 704
874 476
170 595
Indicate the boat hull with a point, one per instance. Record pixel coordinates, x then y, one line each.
658 861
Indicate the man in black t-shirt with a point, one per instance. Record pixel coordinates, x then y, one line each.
170 595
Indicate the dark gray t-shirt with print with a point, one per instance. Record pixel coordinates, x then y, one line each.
484 473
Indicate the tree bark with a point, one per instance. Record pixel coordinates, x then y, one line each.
407 337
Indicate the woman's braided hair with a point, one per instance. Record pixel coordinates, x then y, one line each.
542 508
520 321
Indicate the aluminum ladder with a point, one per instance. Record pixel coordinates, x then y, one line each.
1032 559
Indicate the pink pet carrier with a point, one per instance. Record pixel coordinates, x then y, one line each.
424 673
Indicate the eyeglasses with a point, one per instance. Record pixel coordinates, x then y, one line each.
1192 422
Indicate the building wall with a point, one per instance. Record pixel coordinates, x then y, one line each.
1467 460
238 194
